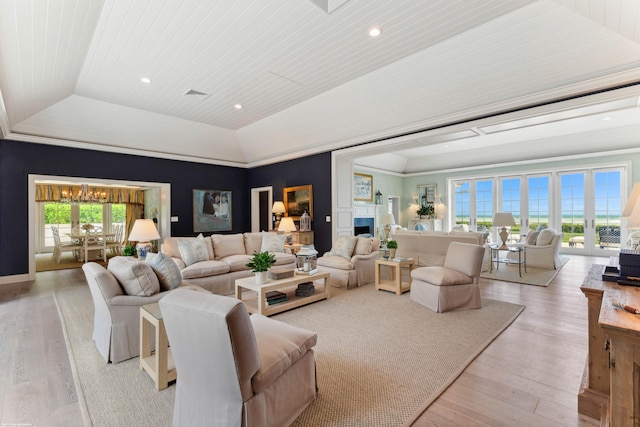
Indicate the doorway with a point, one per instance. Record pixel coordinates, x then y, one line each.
261 204
164 220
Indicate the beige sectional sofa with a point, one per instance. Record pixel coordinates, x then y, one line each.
225 257
430 247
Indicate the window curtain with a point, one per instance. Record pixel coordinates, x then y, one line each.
53 193
134 212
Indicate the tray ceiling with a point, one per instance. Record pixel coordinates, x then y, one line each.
308 80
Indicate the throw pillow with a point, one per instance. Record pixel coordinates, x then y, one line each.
272 242
193 250
135 276
363 246
545 237
532 237
225 245
344 246
166 269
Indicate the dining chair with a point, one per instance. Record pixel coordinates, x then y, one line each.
114 243
59 247
95 242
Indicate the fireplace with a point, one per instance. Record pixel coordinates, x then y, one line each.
363 226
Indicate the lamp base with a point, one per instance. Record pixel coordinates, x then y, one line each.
504 235
143 249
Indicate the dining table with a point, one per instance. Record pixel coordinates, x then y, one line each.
79 239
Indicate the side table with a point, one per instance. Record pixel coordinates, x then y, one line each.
394 283
159 363
521 261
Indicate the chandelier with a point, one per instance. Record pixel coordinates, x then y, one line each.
84 196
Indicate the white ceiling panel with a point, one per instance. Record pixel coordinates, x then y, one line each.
308 80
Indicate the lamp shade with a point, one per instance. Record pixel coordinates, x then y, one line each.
287 224
503 219
143 230
387 218
278 207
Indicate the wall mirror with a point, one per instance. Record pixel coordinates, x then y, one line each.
427 194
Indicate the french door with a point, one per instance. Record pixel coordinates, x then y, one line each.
590 211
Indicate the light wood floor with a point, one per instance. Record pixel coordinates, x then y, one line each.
529 376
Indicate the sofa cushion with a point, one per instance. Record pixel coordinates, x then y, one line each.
193 250
335 261
440 276
170 246
237 262
252 242
280 345
272 242
363 246
284 258
166 270
225 245
344 246
135 277
545 237
205 269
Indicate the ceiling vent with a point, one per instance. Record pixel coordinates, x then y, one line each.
196 93
329 6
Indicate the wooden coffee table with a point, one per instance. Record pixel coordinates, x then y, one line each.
259 305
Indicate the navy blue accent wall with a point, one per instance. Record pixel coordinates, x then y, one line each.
19 159
314 170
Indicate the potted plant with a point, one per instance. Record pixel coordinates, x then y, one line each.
392 245
425 211
259 263
129 250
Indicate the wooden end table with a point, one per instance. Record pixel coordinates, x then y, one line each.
394 283
288 285
159 363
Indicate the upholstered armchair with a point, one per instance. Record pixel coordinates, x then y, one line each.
235 369
453 286
543 249
117 296
351 261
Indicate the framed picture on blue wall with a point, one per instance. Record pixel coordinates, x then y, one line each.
211 210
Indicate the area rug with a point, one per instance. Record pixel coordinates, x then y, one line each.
44 262
381 359
533 276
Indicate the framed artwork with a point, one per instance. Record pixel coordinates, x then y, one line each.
297 200
211 210
427 194
362 187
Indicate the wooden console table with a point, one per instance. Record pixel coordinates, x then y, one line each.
611 381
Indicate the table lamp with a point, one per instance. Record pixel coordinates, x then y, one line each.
504 220
142 232
287 226
278 210
386 219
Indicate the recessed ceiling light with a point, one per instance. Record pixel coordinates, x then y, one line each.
375 32
238 106
607 118
145 80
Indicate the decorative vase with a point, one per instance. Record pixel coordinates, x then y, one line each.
262 277
392 253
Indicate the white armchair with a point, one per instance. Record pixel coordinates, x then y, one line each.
545 253
351 261
235 369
